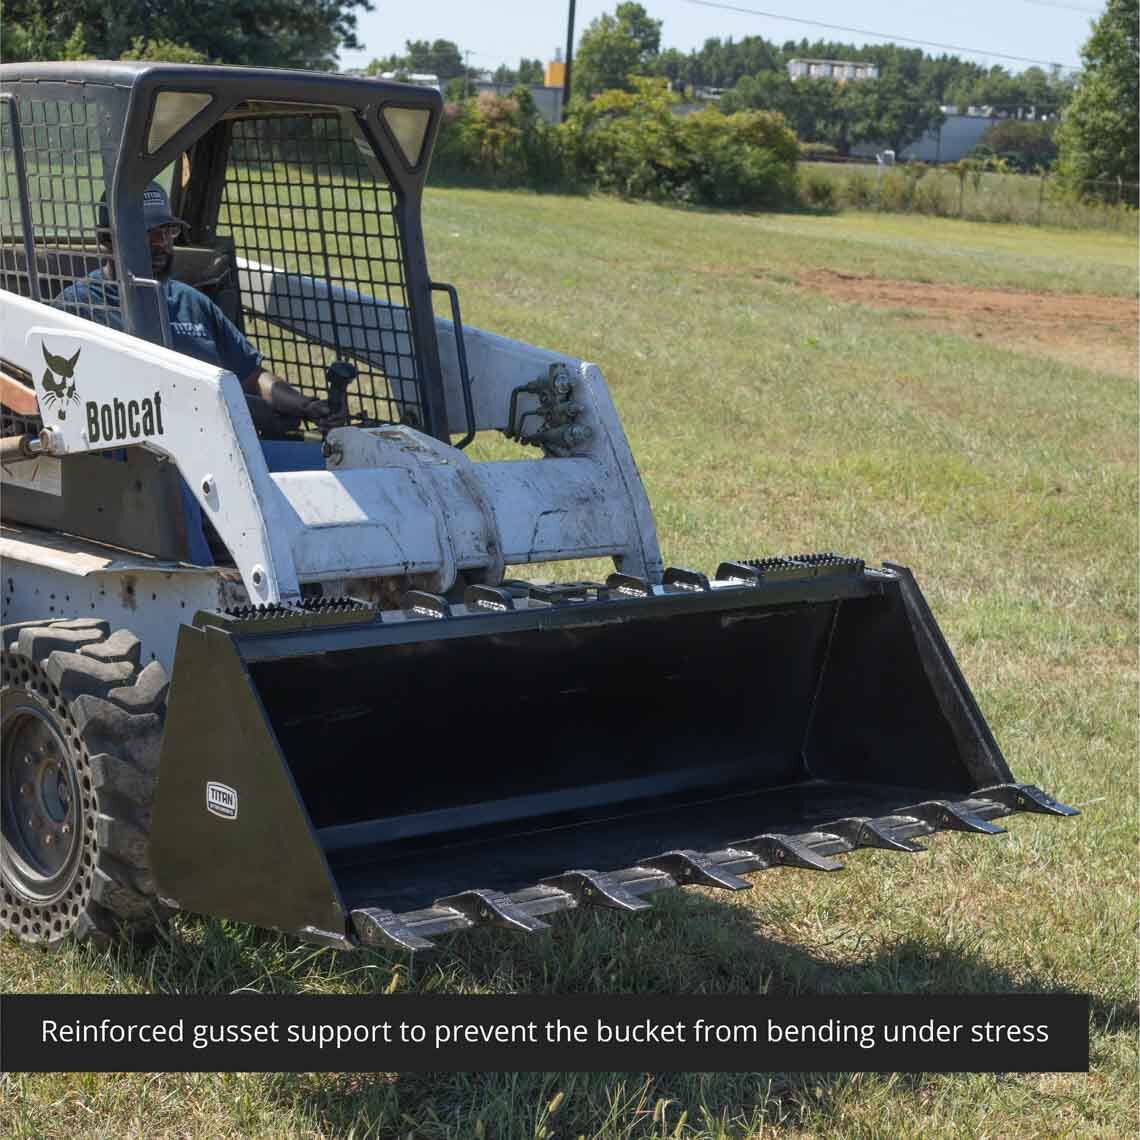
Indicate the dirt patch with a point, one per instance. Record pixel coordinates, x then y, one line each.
1076 328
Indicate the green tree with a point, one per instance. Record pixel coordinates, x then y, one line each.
1024 145
613 48
440 57
270 33
1097 136
162 50
528 71
531 71
887 110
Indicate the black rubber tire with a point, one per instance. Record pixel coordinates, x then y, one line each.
80 692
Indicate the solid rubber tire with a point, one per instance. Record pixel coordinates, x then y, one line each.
108 711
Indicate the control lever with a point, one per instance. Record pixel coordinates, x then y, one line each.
339 376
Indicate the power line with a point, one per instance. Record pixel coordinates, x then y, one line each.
1070 7
880 35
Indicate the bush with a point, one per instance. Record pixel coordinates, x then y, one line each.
744 159
859 190
1024 145
499 141
631 143
896 191
628 142
819 191
934 197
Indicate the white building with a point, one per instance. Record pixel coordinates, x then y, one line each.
837 70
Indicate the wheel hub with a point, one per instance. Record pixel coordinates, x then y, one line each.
40 798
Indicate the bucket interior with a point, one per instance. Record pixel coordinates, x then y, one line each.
648 732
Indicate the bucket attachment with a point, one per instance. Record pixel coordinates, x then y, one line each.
373 778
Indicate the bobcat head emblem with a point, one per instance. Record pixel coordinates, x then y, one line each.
59 391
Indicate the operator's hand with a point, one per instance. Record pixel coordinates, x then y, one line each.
286 400
319 413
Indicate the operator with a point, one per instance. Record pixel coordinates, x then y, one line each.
197 326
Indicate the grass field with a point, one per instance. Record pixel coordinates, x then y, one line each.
771 414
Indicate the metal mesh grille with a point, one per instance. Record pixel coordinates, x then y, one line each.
58 143
320 260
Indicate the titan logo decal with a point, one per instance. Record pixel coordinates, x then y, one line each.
117 421
221 800
59 391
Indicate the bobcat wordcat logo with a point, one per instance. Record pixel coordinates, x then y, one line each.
119 421
221 800
59 391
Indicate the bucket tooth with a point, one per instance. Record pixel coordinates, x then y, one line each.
737 572
629 585
495 908
790 851
946 816
1027 798
422 604
680 578
493 599
376 927
864 832
598 889
541 900
697 868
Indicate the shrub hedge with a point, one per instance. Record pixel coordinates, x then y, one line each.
624 142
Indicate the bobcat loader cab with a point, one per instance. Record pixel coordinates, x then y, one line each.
334 614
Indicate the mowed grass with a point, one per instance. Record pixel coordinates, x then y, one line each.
767 419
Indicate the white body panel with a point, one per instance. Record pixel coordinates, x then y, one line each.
50 576
392 501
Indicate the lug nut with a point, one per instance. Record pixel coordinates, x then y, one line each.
65 829
25 790
49 839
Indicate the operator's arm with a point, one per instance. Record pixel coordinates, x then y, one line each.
237 354
283 398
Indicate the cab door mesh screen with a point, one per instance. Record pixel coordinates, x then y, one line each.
58 146
320 260
52 179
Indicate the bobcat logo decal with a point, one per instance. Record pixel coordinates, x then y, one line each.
61 391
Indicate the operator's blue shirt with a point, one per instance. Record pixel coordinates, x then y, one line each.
197 326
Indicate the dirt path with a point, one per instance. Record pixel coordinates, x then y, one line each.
1077 328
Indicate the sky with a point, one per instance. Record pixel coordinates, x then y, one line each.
502 31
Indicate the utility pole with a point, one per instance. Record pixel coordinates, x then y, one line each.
466 72
569 58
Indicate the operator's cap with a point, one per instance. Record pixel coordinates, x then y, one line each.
156 208
156 211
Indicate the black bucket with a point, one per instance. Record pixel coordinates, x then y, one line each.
381 763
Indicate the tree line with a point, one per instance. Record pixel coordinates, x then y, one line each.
1097 110
259 33
751 73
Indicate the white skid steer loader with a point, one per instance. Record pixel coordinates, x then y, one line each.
240 662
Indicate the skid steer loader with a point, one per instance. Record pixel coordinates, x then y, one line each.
248 674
